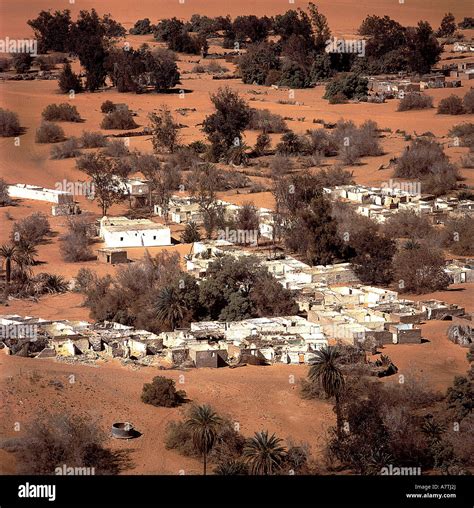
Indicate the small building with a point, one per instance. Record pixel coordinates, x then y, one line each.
25 191
204 355
112 256
123 232
405 333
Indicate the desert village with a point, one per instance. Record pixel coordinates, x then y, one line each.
334 306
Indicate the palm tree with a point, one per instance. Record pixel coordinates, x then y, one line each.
8 252
170 306
325 370
264 454
26 254
204 424
191 233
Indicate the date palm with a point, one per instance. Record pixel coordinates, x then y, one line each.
170 306
325 371
8 251
264 454
204 424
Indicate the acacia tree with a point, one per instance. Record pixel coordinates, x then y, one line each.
108 188
224 127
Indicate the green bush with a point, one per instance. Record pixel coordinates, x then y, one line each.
162 392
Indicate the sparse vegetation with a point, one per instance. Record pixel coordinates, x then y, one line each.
415 101
61 113
9 123
119 119
162 392
49 132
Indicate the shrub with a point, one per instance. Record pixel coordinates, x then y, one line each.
119 119
267 122
61 112
116 148
75 244
53 440
107 107
93 140
262 144
49 132
162 392
415 101
9 123
32 229
349 85
85 278
451 105
66 150
468 102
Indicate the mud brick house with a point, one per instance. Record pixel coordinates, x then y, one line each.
112 256
204 355
436 309
405 333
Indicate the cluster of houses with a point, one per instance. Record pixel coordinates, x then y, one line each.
380 203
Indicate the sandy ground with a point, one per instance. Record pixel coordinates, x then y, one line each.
255 397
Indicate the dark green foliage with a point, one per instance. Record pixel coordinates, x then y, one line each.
447 26
191 233
460 397
52 30
142 27
69 81
257 62
162 392
294 75
22 62
224 127
350 85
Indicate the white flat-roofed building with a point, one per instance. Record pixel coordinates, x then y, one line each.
25 191
123 232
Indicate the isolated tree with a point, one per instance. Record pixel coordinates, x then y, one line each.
264 454
224 127
191 233
69 81
108 188
164 130
262 144
204 424
325 370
